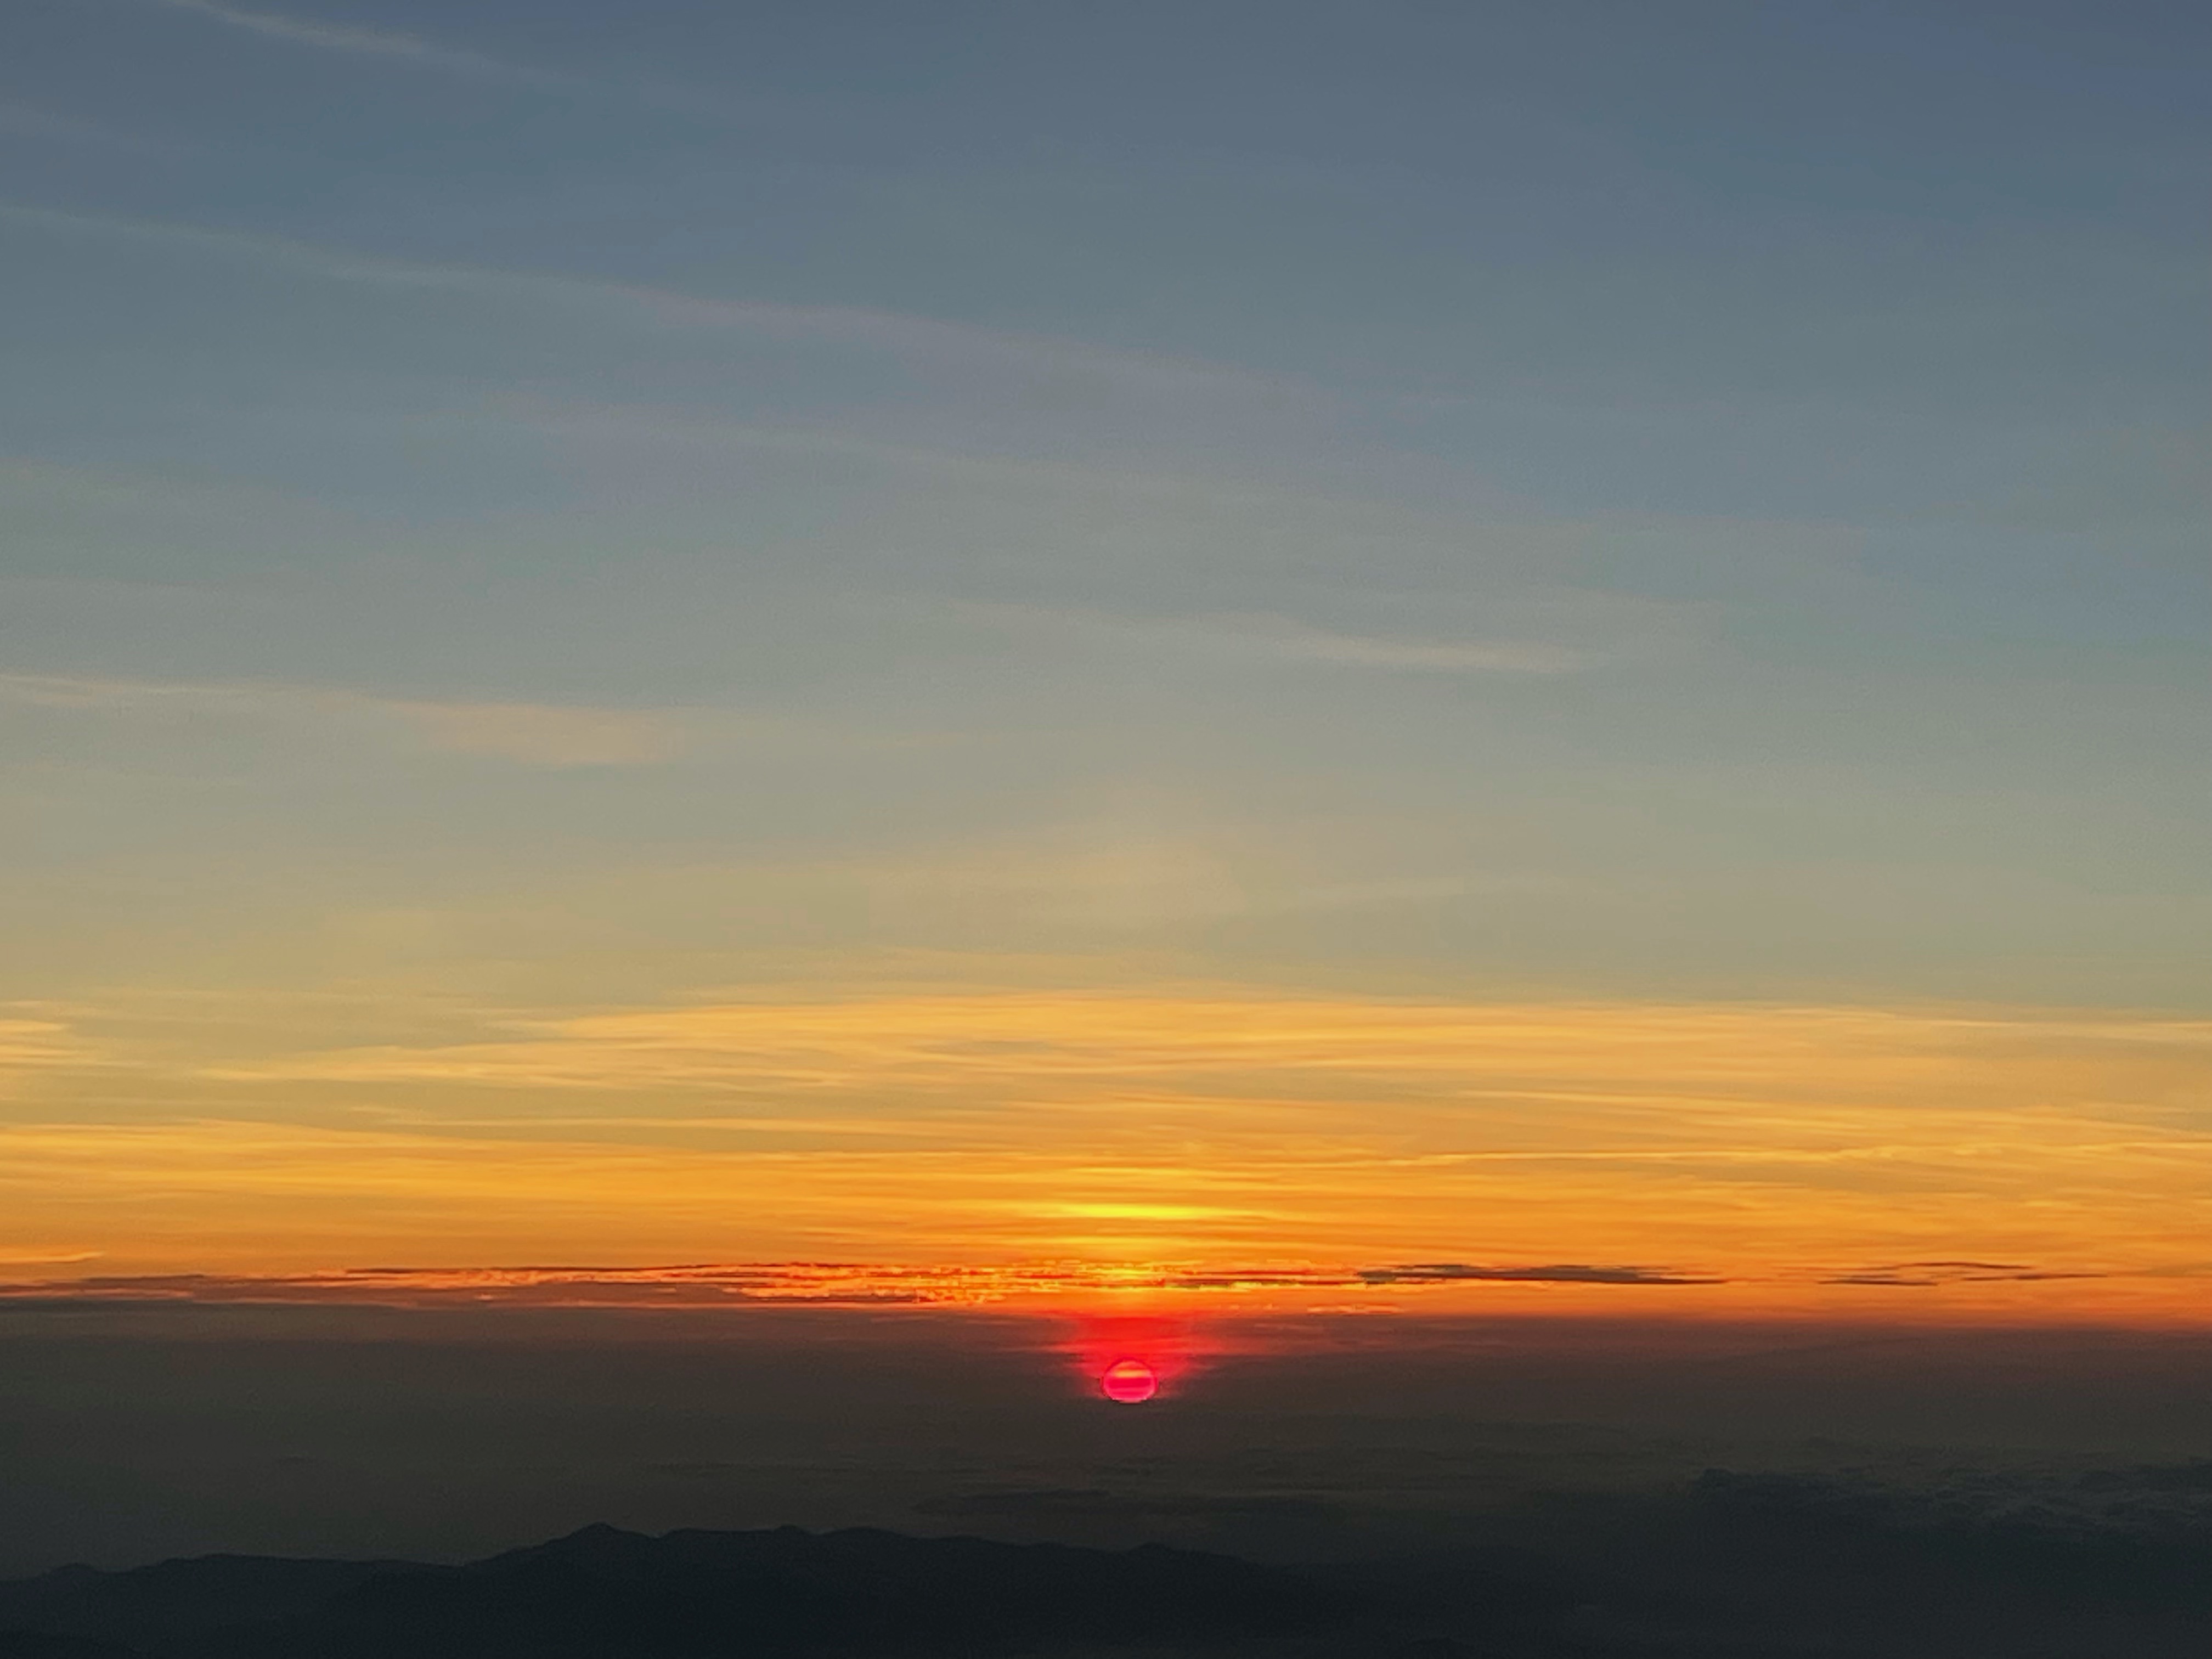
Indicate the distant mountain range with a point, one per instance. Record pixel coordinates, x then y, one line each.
606 1593
1762 1562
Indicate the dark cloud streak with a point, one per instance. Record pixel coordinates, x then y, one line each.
1564 1272
1927 1274
824 1283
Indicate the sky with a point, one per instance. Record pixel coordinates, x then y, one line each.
1512 657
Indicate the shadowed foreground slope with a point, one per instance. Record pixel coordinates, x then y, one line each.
606 1593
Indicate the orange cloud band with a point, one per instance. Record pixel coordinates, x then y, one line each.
1787 1153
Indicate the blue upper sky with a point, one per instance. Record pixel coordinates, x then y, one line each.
558 501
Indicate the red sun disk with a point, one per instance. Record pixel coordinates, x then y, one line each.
1128 1382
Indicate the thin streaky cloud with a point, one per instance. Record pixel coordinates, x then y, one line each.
724 1283
26 1043
405 50
1288 640
538 734
823 1283
1558 1273
573 418
1923 1273
1271 637
895 332
29 121
379 43
96 692
533 733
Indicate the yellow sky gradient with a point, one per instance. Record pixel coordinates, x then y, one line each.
1776 1148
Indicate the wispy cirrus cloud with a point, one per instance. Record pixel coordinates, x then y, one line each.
36 1042
534 734
542 735
32 1044
903 335
341 37
1291 641
1265 637
30 121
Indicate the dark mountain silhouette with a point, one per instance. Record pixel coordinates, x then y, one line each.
606 1593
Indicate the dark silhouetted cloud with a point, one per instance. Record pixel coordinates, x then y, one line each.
1950 1272
1561 1273
826 1284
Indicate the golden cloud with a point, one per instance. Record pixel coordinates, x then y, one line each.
1762 1145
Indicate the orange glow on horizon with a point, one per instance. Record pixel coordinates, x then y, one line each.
1130 1359
1185 1297
1046 1149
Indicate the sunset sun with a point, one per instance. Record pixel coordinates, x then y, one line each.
1128 1383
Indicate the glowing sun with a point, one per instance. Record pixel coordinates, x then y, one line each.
1128 1382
